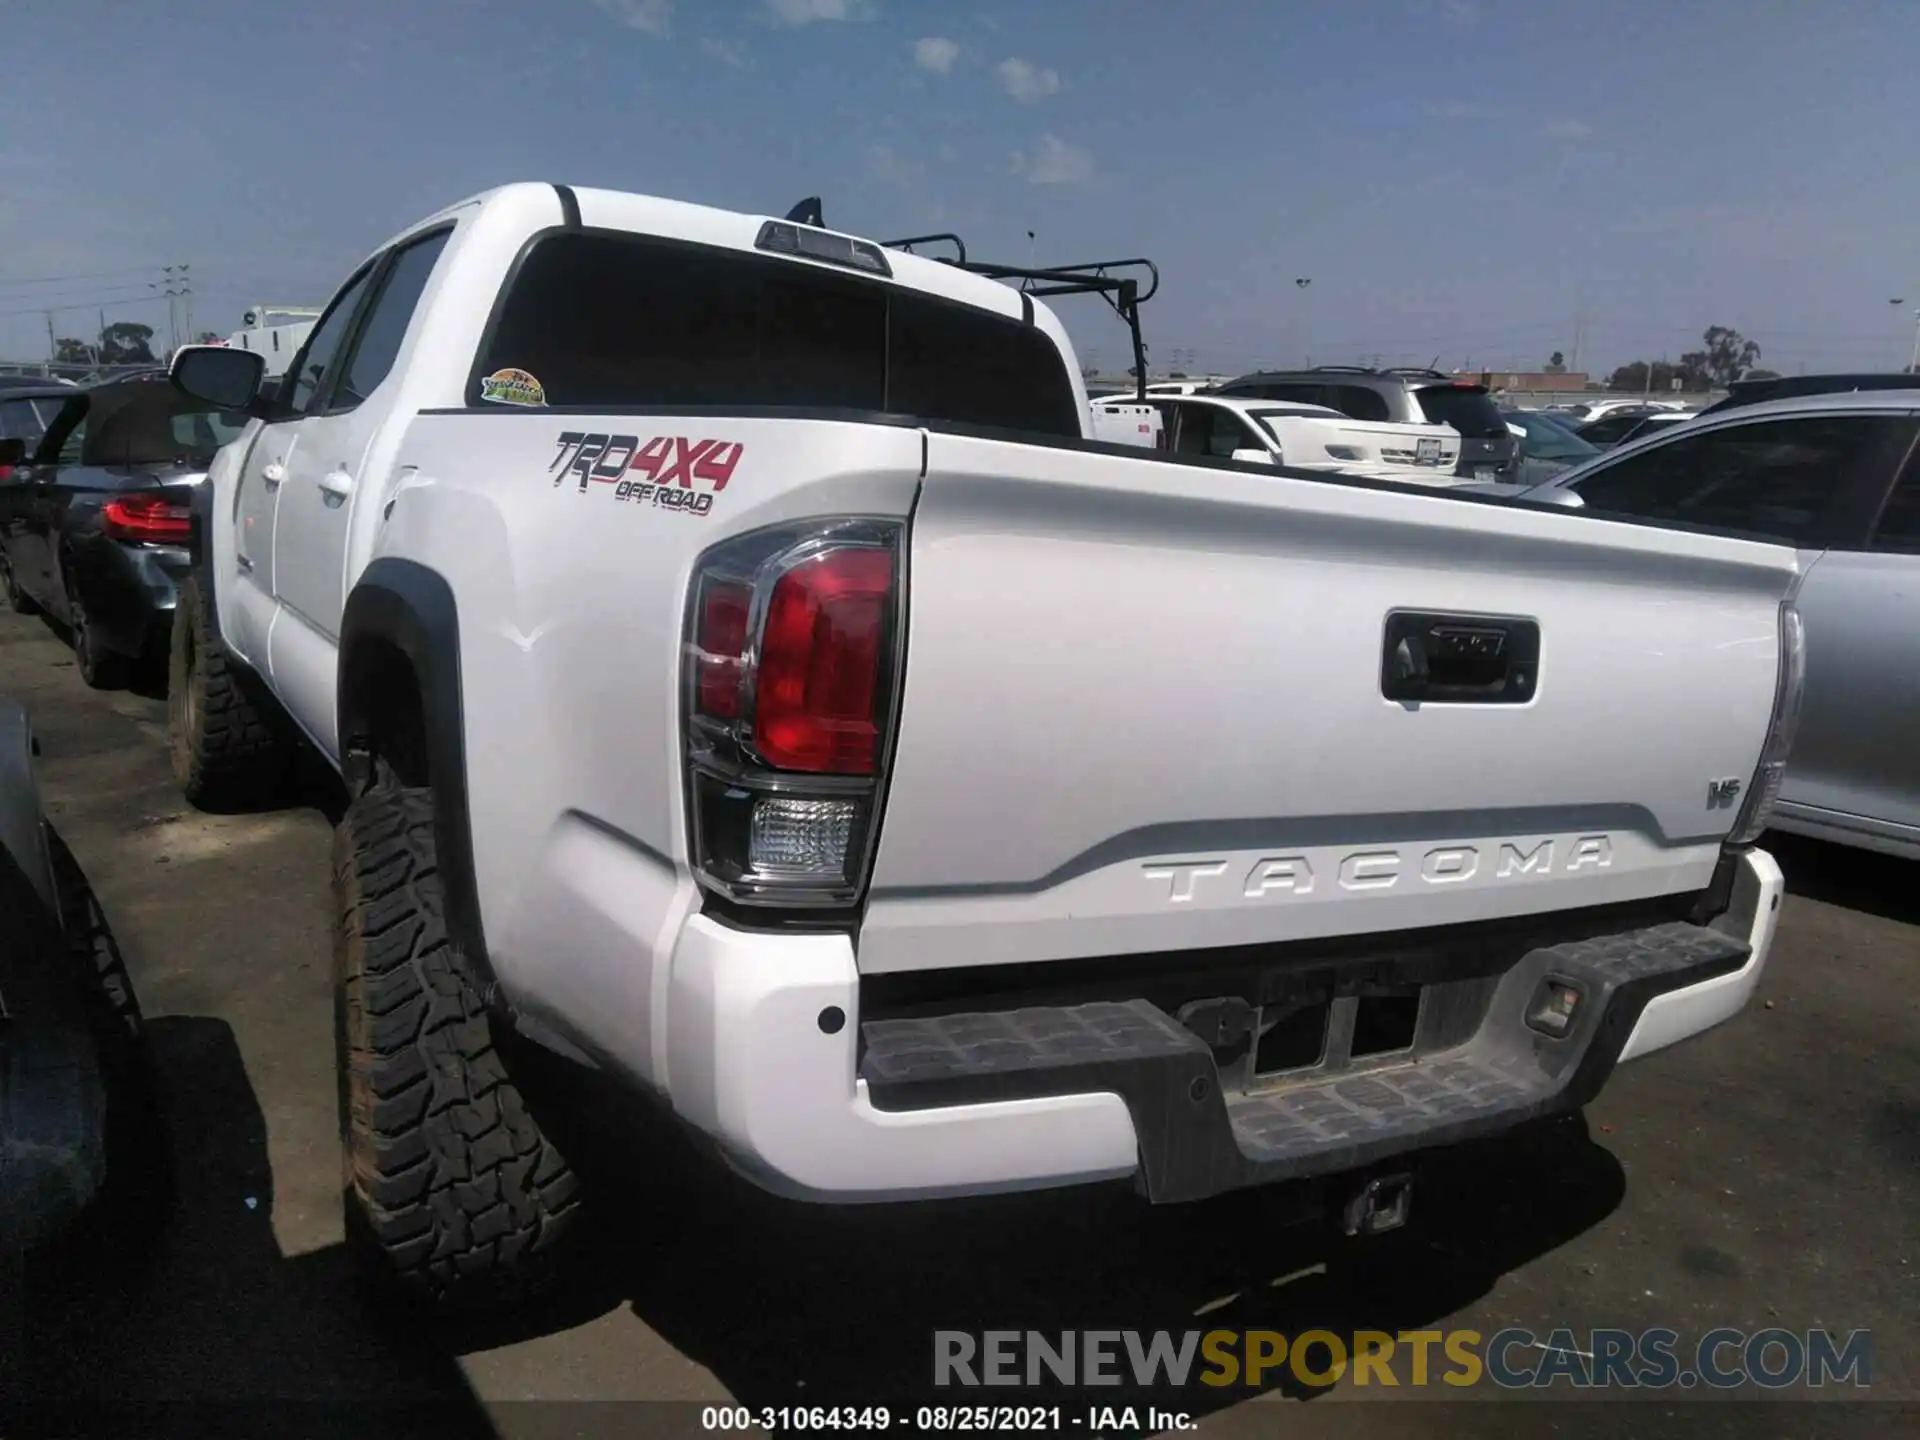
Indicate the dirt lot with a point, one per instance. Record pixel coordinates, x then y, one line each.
1767 1174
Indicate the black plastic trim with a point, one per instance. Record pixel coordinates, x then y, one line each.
1194 1141
411 607
569 206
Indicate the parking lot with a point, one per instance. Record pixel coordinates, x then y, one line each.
1763 1175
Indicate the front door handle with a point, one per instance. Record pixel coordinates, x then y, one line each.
273 473
337 482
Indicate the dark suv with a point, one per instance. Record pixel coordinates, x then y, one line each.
1488 449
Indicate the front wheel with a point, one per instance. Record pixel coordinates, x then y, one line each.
446 1173
229 748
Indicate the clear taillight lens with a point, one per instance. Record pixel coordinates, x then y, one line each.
792 669
1787 694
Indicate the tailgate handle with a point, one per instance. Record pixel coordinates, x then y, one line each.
1459 659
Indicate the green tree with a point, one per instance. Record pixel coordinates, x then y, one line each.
1557 363
206 337
1728 355
1633 376
69 351
126 343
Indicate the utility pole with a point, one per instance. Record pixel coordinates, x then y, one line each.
1913 361
53 345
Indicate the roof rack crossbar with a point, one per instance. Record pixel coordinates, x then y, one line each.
947 236
1122 292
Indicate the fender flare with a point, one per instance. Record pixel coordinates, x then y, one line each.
411 607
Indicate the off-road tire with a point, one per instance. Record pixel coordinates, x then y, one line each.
229 746
446 1173
18 600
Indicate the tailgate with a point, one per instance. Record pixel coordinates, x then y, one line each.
1143 710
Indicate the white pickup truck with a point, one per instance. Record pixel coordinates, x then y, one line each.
753 680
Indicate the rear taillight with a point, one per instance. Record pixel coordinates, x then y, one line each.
792 671
1788 690
147 520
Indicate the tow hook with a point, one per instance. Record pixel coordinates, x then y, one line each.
1380 1205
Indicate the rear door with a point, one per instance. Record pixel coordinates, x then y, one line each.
1856 756
1815 482
323 486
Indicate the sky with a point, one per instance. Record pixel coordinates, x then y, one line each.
1479 181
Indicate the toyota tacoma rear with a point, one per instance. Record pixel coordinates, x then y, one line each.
754 680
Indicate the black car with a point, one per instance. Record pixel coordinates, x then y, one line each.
1488 450
95 520
1787 387
28 405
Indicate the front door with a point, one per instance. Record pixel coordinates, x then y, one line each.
248 613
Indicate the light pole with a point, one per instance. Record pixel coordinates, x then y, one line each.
1913 360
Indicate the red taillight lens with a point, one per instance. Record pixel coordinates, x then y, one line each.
146 519
818 700
722 641
6 473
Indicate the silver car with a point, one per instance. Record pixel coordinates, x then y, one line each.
1838 477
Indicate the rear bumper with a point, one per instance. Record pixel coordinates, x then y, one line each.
767 1053
130 591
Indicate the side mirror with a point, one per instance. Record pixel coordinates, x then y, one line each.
1254 457
221 376
12 452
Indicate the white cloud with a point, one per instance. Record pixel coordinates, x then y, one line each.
1027 82
1054 162
935 53
805 12
889 167
654 17
725 51
1568 130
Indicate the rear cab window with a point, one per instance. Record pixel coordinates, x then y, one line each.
1467 408
607 320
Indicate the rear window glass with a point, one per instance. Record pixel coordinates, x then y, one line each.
1470 411
617 320
1777 478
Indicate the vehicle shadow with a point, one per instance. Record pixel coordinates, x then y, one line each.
1843 875
169 1307
791 1303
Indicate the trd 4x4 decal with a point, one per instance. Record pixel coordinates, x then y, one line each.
671 463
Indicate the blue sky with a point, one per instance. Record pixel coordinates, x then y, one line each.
1457 177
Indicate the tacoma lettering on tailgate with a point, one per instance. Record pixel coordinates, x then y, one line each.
1384 868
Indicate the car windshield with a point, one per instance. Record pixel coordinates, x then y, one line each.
1467 408
1547 440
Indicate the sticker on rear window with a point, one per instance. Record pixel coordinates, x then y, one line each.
512 387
